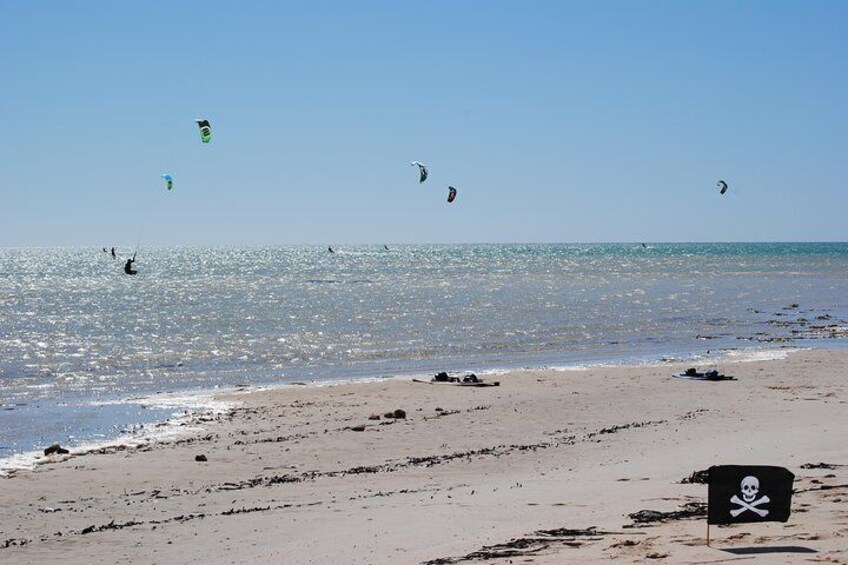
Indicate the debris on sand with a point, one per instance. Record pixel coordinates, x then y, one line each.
528 546
57 449
649 517
697 478
820 466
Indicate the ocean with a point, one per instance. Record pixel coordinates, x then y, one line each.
88 354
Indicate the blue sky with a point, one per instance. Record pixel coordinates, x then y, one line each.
557 122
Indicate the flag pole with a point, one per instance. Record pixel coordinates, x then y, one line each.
708 532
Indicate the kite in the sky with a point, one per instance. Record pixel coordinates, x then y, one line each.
169 180
722 186
422 170
451 194
205 130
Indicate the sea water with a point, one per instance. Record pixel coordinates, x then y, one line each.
88 353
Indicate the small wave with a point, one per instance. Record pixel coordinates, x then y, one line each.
206 401
182 424
337 281
753 355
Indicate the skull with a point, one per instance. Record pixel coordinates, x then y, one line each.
750 488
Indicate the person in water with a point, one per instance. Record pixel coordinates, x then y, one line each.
114 255
128 267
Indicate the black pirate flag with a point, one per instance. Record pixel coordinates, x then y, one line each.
749 493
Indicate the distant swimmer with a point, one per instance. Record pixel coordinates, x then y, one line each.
114 255
644 246
128 267
386 247
330 249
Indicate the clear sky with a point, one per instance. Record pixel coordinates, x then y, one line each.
558 121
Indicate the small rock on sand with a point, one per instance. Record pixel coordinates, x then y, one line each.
200 458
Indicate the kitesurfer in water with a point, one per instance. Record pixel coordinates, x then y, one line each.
128 267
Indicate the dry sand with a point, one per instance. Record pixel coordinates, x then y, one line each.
544 469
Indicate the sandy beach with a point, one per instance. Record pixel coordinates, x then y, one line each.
548 467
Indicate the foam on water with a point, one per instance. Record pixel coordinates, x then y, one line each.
755 355
180 424
208 402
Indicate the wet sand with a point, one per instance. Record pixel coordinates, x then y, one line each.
546 468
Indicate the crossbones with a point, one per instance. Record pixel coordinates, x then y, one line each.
743 506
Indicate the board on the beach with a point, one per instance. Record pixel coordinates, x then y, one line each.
703 377
477 384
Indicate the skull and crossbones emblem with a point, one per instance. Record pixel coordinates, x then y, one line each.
750 487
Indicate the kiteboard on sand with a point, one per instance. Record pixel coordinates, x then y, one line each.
477 384
711 375
467 380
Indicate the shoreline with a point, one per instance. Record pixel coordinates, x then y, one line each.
549 466
197 405
498 308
